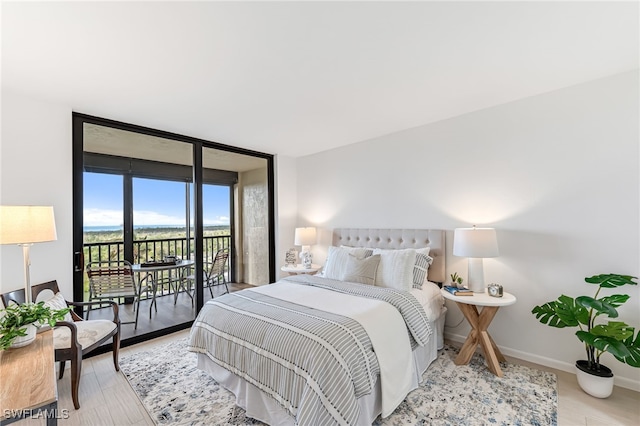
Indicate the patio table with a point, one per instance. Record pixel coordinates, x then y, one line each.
151 274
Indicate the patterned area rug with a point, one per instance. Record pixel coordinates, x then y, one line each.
174 391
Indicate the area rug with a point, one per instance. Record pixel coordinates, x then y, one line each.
174 391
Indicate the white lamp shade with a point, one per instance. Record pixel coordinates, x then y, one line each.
475 242
27 224
305 236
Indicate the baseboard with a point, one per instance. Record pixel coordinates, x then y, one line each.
623 382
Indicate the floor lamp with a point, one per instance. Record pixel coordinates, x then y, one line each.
25 225
476 244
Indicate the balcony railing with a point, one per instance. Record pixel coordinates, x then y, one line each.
149 250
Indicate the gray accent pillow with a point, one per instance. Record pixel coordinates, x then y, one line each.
337 257
361 271
359 252
420 269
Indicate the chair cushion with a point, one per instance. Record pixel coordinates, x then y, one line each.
89 332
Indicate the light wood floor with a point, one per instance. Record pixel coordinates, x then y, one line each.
107 399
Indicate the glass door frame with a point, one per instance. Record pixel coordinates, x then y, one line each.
78 121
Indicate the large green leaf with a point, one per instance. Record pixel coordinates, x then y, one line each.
546 314
611 280
600 306
615 300
616 329
633 347
561 313
615 338
601 343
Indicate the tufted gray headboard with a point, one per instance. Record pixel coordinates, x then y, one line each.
398 239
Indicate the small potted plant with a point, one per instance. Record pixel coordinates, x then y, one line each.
456 280
18 323
615 337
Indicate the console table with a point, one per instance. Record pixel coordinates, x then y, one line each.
28 378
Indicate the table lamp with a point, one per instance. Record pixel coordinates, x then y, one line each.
25 225
305 237
476 244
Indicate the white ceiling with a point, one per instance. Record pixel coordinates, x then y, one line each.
295 78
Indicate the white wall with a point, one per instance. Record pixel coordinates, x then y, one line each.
36 169
286 207
555 174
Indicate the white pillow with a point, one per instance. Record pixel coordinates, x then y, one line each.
337 257
57 302
422 260
396 268
359 251
361 271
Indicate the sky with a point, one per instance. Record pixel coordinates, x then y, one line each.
155 202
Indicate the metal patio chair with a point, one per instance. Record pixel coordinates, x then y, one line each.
214 273
112 281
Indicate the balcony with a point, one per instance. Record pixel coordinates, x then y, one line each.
172 308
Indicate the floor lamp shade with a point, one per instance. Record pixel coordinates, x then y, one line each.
305 237
26 225
476 244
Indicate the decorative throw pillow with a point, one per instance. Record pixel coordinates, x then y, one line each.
396 268
361 271
420 269
57 302
361 252
337 259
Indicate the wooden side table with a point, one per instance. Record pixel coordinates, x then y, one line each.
28 377
299 269
479 322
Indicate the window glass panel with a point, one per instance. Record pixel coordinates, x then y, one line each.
216 214
103 229
159 210
103 217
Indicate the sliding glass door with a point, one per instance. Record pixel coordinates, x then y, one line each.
152 198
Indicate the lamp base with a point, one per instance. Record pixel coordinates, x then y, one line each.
27 265
306 259
476 275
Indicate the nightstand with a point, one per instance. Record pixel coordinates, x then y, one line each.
479 322
299 269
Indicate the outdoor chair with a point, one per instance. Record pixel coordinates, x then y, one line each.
73 337
214 272
112 280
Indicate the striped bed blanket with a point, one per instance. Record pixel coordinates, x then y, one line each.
291 340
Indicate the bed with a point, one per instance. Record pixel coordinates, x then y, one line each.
334 348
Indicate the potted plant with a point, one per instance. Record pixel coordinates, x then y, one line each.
18 323
615 337
456 281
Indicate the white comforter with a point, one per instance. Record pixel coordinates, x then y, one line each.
382 322
317 346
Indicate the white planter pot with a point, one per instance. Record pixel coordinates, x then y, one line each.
21 341
599 385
